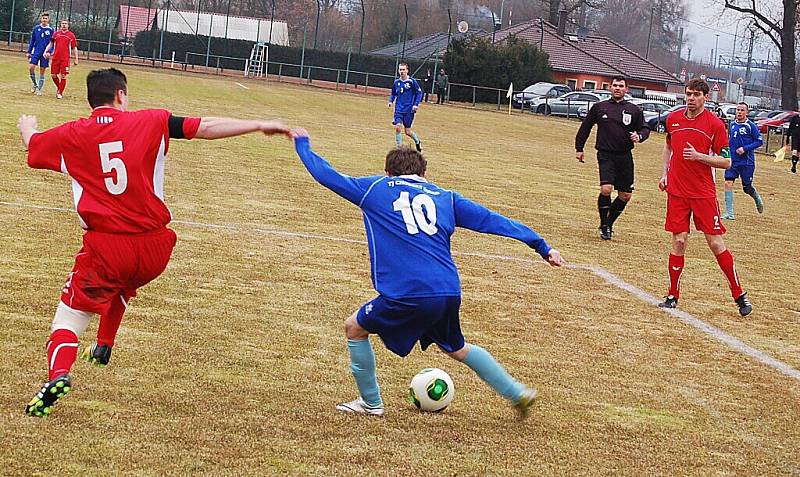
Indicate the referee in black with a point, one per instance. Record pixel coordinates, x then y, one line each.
794 140
620 124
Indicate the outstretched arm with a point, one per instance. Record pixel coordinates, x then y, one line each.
27 128
474 216
351 188
218 128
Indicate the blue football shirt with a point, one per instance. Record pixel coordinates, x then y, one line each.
408 94
40 38
409 222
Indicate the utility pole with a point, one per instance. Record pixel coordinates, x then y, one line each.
680 49
649 33
749 57
716 52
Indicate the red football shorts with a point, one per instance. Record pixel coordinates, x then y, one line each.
59 67
705 211
111 265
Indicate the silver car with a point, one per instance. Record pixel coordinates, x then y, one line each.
568 104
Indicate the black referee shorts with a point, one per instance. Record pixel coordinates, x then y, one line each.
616 169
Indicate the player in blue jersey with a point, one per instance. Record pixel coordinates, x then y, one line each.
40 40
744 138
409 222
406 96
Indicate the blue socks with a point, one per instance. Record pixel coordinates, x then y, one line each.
489 370
415 138
362 365
729 202
33 78
41 82
398 137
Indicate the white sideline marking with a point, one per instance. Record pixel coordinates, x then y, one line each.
243 86
689 319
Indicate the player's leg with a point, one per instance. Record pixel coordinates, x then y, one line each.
605 166
492 373
706 219
362 366
32 73
54 70
410 132
99 353
730 178
42 72
63 84
398 130
795 159
62 351
677 222
623 176
748 173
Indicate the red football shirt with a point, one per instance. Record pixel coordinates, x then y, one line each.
62 41
707 133
116 162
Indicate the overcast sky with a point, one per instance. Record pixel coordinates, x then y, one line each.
704 24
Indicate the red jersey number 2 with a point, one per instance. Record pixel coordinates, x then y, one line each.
114 164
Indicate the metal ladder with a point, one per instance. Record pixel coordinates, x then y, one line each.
259 56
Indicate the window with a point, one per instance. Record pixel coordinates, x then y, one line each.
589 84
605 86
573 84
636 92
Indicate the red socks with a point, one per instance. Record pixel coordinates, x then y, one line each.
62 351
62 86
110 321
675 270
56 81
725 261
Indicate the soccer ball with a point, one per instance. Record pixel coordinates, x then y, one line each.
431 390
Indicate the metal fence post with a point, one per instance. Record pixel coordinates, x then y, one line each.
11 26
473 96
303 51
337 79
208 45
366 83
347 71
498 100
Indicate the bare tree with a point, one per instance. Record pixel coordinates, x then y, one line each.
782 34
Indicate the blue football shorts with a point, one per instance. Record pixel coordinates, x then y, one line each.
39 59
401 323
745 171
406 119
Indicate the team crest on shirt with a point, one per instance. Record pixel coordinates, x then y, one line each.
626 118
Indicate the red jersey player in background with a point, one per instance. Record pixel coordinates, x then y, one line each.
115 159
693 134
59 49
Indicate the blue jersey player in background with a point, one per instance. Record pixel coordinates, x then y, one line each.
744 138
406 96
40 40
409 222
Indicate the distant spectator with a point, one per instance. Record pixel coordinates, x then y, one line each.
442 80
794 140
428 84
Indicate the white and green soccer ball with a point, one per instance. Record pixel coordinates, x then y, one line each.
431 390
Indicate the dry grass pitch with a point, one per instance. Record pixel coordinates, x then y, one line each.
231 362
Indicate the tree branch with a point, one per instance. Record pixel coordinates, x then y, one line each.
778 43
755 13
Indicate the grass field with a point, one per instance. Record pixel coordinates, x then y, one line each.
232 361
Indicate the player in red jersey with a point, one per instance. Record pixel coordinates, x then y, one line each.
693 135
116 161
60 47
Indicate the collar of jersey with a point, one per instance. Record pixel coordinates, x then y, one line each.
686 110
413 177
97 109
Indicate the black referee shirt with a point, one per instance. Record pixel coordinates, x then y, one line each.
615 121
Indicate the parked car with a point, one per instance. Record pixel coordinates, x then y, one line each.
775 122
568 104
538 90
650 108
771 113
728 111
604 95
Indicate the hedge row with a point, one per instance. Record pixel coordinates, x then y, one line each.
147 44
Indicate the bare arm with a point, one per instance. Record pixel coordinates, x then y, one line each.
27 128
218 128
665 156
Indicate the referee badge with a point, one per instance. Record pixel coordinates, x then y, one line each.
626 118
